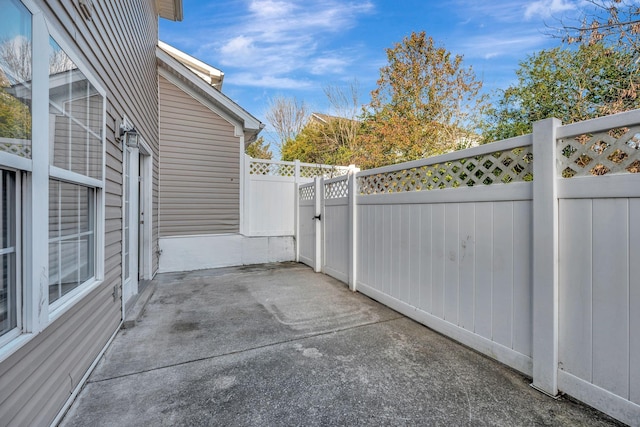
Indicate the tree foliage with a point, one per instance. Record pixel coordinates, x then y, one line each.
330 139
589 81
259 149
426 103
325 139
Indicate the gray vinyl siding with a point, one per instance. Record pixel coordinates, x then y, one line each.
199 167
118 47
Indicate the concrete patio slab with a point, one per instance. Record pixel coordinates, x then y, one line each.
280 345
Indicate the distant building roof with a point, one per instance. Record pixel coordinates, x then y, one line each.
324 118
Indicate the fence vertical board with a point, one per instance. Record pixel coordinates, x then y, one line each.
394 250
451 267
367 248
344 222
415 254
467 265
503 272
426 261
405 254
438 257
610 295
575 296
634 301
522 276
387 225
483 271
361 266
378 232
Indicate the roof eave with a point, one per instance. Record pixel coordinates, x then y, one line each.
171 9
249 123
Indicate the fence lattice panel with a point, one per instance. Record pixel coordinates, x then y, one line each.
307 192
271 169
604 153
22 150
504 167
325 172
336 190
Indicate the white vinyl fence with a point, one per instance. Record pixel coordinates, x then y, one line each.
269 193
524 249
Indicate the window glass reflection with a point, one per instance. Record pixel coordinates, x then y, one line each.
15 78
75 114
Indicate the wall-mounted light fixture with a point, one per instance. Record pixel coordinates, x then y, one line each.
131 139
128 134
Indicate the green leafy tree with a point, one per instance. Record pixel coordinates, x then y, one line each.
589 81
426 103
320 142
259 149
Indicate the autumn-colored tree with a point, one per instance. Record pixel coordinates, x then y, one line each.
259 149
589 81
426 103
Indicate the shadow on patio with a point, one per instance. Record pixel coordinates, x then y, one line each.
277 344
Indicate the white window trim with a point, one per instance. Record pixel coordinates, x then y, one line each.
66 302
19 255
12 161
37 314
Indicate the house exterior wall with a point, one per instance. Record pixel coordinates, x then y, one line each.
199 167
117 46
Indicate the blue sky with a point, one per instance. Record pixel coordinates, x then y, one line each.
295 48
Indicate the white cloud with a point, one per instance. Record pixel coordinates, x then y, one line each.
270 8
240 46
324 65
269 81
497 45
283 37
547 8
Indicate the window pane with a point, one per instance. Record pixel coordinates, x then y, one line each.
75 109
15 78
8 286
71 237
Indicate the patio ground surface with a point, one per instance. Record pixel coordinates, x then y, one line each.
280 345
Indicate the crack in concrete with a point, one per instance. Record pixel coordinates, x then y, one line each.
231 353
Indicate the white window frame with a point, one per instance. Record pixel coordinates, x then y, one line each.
17 249
62 305
33 175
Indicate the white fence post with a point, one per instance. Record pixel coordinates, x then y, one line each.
319 184
545 257
296 201
296 219
245 186
352 186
